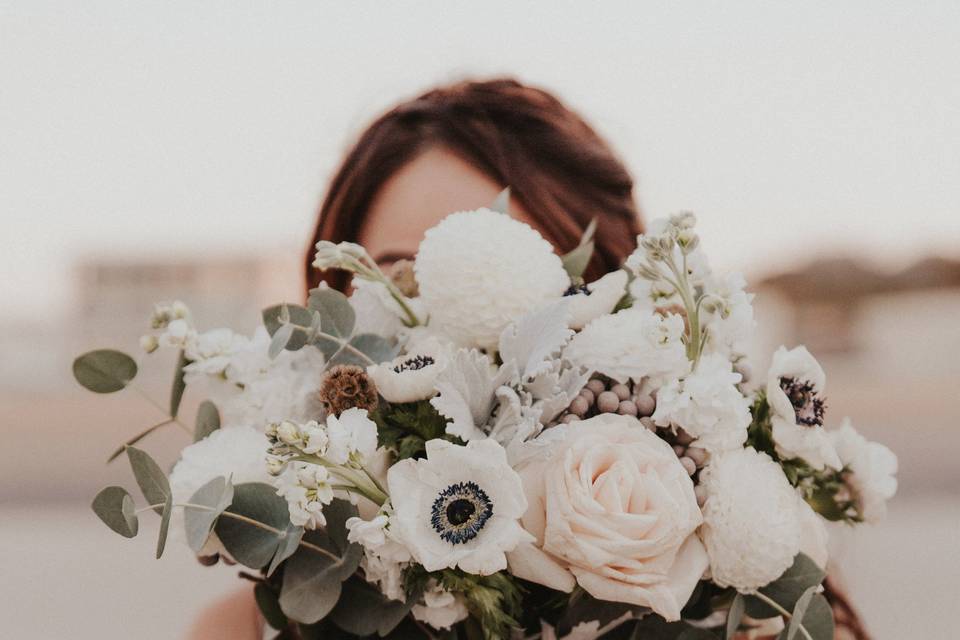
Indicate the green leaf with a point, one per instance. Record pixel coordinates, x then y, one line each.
311 580
280 340
251 545
787 589
105 370
135 439
216 494
114 506
299 316
208 420
502 202
150 477
575 262
734 616
287 547
799 611
164 525
337 317
817 620
179 385
376 348
269 606
363 611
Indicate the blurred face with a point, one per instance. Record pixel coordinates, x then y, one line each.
419 195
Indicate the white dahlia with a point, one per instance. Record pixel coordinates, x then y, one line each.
795 386
479 270
707 405
751 519
632 344
458 507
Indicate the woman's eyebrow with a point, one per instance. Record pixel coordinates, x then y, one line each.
388 257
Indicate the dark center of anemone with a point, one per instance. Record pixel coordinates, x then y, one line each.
808 406
574 289
414 364
460 511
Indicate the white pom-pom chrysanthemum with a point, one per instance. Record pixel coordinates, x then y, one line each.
751 522
632 344
480 270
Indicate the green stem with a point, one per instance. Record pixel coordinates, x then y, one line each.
143 394
344 345
361 480
786 614
377 275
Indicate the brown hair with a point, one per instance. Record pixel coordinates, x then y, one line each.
562 172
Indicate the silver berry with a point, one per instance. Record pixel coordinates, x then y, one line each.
622 391
646 405
627 408
608 402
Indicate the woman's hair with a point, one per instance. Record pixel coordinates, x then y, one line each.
562 172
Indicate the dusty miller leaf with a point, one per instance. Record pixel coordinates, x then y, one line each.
534 338
502 202
466 392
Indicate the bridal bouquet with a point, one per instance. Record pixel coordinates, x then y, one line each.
480 444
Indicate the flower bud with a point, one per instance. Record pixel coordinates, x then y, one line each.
288 432
149 343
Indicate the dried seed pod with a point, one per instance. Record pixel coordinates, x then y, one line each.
346 386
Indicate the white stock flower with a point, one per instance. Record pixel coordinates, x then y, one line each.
352 434
307 489
440 609
871 471
795 386
178 334
458 507
612 509
751 519
412 376
596 298
730 324
384 559
630 345
479 270
707 405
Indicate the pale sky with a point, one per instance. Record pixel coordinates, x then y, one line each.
172 128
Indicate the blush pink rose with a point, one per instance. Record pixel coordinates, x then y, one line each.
612 509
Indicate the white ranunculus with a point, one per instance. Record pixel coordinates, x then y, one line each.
412 376
612 509
599 298
440 609
237 453
795 386
707 405
630 345
751 519
871 467
458 507
480 270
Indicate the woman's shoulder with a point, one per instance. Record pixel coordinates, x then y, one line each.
233 617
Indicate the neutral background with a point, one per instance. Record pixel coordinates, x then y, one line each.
157 146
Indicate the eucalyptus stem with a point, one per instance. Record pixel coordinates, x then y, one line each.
774 604
344 345
143 394
377 275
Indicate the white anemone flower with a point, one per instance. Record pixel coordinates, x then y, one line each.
872 471
596 299
458 507
480 270
795 386
412 376
707 405
630 345
751 519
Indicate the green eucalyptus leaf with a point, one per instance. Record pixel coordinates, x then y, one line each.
287 547
269 606
376 348
575 262
734 616
311 580
298 316
115 507
216 494
252 545
208 420
817 619
280 340
179 384
502 202
787 589
164 525
150 477
800 610
363 610
337 317
104 370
